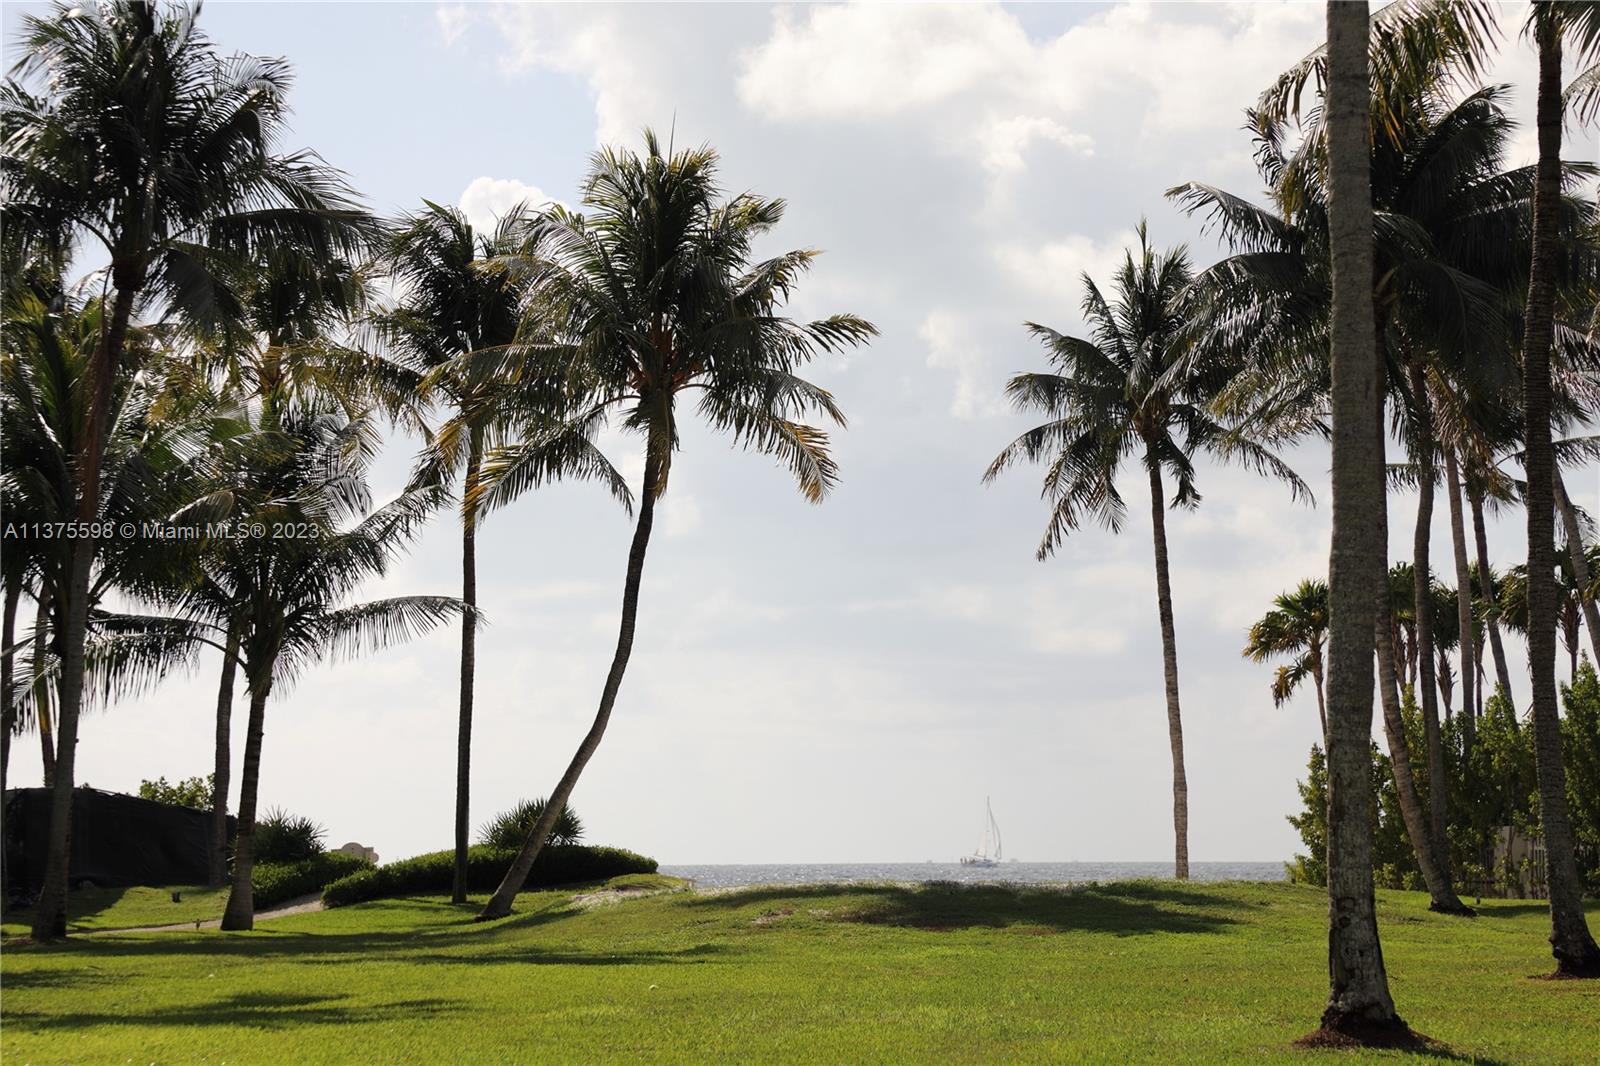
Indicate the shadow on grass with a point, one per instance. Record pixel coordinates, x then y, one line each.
256 1010
1124 909
82 904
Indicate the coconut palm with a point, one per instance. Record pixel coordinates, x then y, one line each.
1297 626
1114 396
142 140
1359 1004
454 307
1552 26
650 297
283 599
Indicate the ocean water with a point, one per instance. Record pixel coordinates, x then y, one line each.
721 875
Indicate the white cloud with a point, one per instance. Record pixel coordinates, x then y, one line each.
452 19
1004 142
953 344
486 199
1054 268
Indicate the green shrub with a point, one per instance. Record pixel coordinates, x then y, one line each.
193 792
431 874
282 837
274 883
511 828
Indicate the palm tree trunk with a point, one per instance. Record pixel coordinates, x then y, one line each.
41 684
1580 563
240 912
1322 703
1422 605
1358 986
499 904
1458 542
8 698
50 912
1442 896
1497 648
1570 941
469 661
222 763
1169 664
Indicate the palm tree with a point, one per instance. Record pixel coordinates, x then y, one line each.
1130 390
282 599
1570 940
1359 1004
1297 626
146 142
651 296
453 307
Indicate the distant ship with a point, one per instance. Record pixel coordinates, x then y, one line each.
991 837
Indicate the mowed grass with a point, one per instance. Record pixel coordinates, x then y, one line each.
1132 972
128 908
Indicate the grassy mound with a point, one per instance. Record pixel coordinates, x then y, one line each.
559 864
1139 972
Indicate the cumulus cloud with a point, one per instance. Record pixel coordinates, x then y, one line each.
486 199
954 344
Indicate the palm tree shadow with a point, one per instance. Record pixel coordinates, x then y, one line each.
1122 909
257 1010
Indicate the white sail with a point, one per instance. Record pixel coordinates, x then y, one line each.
990 838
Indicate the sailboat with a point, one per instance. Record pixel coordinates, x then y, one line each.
991 837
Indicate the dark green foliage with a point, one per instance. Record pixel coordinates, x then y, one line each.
273 883
510 828
430 874
192 792
282 837
1580 735
1393 864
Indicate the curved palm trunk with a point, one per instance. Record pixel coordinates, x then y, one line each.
1497 648
240 912
1458 543
1169 664
1422 605
41 685
499 904
1570 941
1442 896
1358 986
1580 565
1316 680
469 662
222 763
8 698
50 912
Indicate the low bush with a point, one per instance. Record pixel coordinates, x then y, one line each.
278 882
282 838
431 874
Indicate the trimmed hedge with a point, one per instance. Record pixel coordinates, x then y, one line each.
431 874
273 883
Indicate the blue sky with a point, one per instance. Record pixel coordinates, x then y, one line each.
843 682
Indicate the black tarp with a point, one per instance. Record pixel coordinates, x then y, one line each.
117 840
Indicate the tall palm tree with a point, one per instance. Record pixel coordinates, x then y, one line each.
650 296
453 306
1551 25
144 141
1297 626
1130 391
1359 1004
282 600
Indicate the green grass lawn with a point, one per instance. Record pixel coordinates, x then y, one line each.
1145 971
127 908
